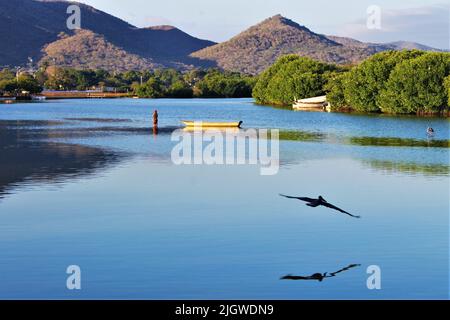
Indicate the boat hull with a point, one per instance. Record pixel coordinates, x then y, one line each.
312 104
212 124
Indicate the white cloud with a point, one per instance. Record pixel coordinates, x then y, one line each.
428 25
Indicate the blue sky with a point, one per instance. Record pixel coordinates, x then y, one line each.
421 21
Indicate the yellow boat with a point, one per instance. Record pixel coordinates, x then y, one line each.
212 124
204 129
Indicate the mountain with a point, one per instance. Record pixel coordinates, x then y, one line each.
30 25
258 47
401 45
397 45
350 42
37 29
86 49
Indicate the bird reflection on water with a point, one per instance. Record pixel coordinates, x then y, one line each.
320 276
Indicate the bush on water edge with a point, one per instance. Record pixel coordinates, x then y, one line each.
293 77
396 82
447 87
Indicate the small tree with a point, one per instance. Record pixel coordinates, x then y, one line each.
447 87
368 79
335 92
225 84
291 77
8 86
417 85
150 89
179 89
7 74
28 83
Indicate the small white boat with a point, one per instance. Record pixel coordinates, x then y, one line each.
38 98
311 104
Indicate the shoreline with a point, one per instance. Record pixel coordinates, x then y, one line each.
83 95
69 95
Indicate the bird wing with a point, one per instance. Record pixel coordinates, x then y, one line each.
333 274
299 198
291 277
329 205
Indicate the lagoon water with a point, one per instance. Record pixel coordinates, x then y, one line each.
87 183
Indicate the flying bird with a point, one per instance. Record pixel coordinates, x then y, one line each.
319 276
320 202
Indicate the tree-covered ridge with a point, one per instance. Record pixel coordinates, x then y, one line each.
403 82
159 83
196 83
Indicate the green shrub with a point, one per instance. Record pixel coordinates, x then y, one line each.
447 88
150 89
417 85
291 77
367 80
225 84
8 86
335 92
180 89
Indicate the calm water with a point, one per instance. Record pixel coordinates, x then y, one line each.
86 182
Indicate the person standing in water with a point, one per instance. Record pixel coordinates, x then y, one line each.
155 118
155 122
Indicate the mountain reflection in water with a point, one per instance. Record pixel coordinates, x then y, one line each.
30 153
24 159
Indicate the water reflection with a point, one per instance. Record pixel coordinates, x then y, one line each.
16 124
408 167
29 149
134 130
298 135
107 120
398 142
25 159
228 215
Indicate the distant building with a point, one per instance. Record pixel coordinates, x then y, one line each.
103 89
